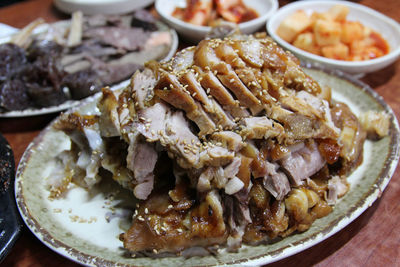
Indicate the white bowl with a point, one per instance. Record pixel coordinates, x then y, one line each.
92 7
193 33
387 27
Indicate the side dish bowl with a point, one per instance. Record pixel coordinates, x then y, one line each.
194 33
387 27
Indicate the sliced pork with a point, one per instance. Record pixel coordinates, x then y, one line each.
228 142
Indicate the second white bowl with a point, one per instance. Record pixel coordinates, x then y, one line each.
387 27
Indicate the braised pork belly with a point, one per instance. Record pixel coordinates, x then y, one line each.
229 142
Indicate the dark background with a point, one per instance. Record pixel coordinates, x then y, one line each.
8 2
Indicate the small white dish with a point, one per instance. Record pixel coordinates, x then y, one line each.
92 7
387 27
194 33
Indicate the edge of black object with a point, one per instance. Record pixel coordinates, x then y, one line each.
8 2
10 222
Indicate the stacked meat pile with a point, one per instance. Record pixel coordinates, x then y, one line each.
228 142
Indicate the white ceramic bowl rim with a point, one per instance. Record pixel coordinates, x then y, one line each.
392 53
262 18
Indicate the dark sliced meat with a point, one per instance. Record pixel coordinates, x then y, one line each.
13 96
111 73
144 19
12 59
44 50
45 96
122 38
43 77
82 83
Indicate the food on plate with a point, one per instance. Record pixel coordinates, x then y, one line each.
210 12
331 35
229 142
75 61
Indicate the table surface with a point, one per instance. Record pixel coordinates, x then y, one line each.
373 239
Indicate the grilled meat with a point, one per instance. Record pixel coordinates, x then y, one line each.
255 147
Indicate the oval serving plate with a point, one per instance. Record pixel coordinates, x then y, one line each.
76 227
41 29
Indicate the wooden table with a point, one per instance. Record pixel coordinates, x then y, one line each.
371 240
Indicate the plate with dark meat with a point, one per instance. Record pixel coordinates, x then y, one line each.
10 222
228 154
47 68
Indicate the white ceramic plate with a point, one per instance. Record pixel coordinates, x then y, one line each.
387 27
75 226
91 7
72 103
